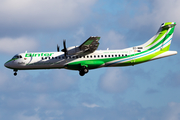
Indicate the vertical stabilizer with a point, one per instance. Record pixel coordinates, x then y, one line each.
158 46
162 38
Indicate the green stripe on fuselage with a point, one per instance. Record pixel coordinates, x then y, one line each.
91 64
150 56
12 60
95 63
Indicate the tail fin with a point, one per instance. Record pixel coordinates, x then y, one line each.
162 38
158 46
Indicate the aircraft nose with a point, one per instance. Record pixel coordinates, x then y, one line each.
7 64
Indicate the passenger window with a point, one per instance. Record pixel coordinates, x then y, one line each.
105 55
87 56
94 56
42 58
115 55
62 57
20 56
98 56
102 56
122 55
119 55
91 56
59 57
112 55
126 55
45 57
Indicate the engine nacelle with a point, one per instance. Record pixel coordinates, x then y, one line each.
73 50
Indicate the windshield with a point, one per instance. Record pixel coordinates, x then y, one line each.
17 56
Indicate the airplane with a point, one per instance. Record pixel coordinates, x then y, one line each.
86 56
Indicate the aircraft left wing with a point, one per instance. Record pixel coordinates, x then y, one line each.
90 45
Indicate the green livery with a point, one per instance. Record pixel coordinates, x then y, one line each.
85 57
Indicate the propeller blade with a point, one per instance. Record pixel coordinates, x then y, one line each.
57 48
64 44
65 49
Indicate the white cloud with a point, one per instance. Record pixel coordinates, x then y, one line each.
21 44
161 11
44 13
79 35
113 40
114 80
173 111
90 105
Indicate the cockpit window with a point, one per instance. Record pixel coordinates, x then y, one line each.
17 56
14 57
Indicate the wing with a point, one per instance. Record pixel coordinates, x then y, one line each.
90 45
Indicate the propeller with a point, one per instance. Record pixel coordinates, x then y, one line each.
57 47
65 49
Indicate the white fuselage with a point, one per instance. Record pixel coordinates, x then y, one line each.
52 60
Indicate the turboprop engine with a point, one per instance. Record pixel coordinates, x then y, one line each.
70 50
73 50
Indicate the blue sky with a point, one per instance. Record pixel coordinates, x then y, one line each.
148 91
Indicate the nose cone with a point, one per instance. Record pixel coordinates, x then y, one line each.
7 64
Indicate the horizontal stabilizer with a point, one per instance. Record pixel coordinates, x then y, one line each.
165 54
